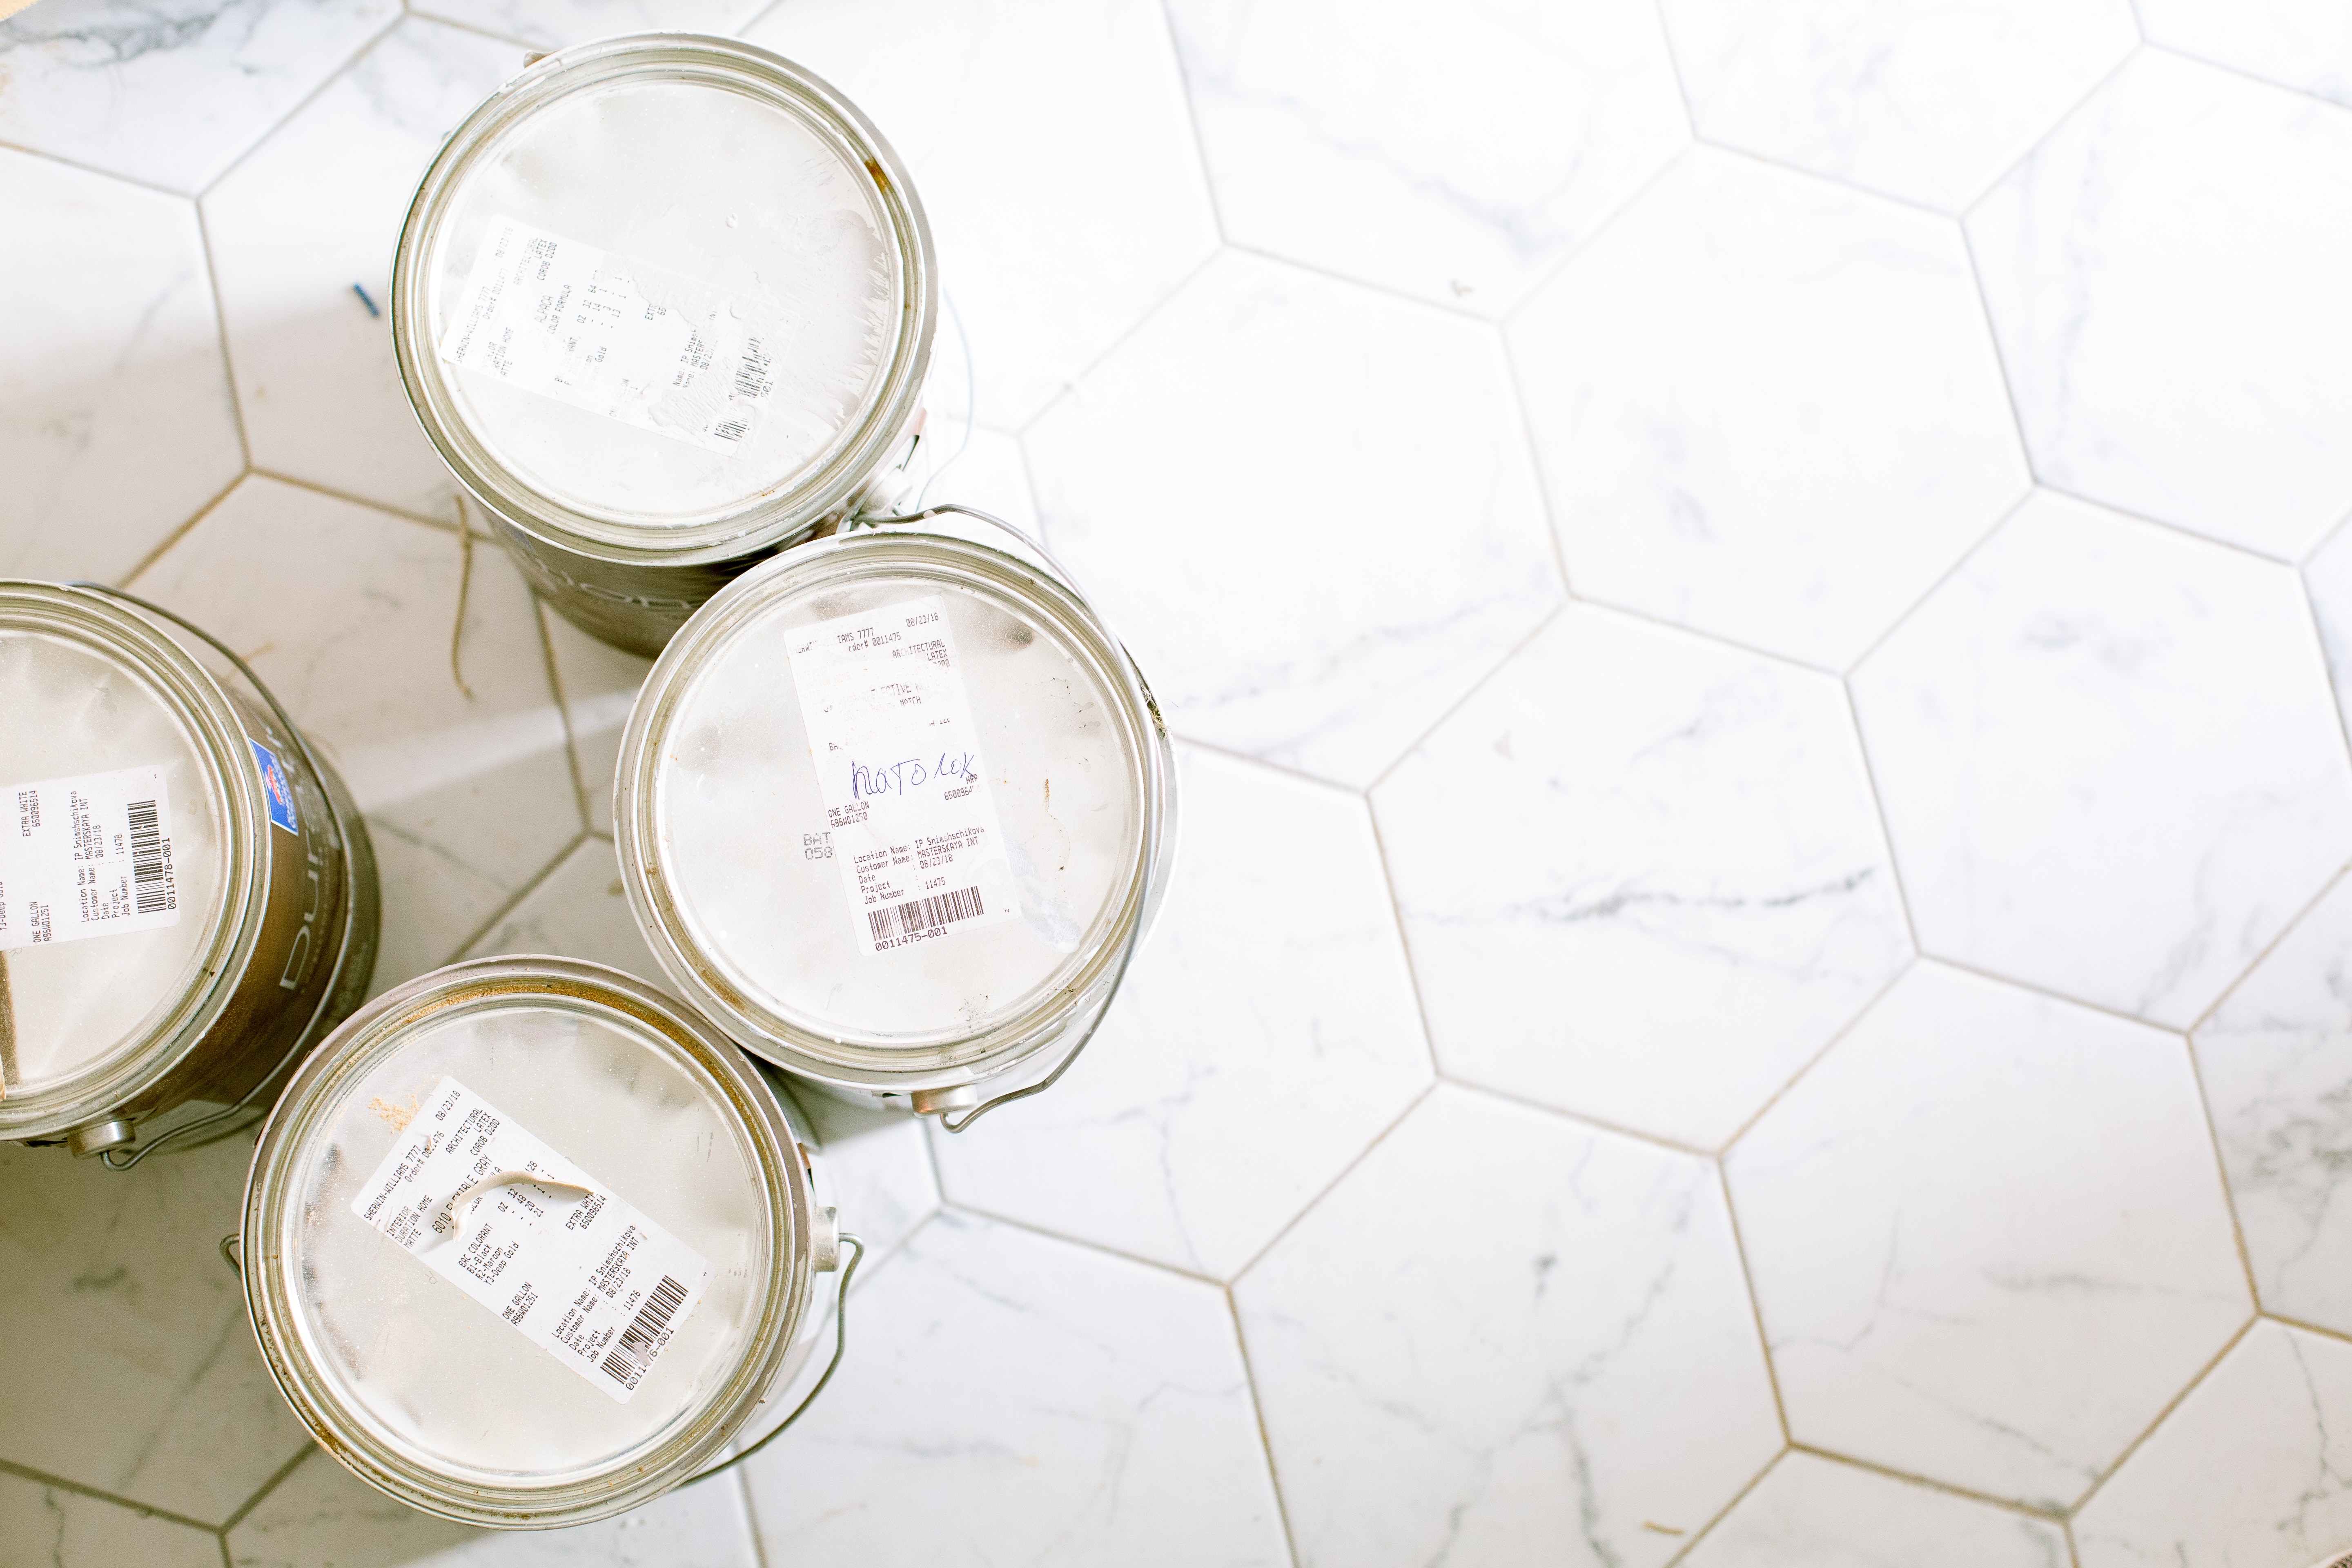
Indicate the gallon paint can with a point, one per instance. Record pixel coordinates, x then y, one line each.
527 1243
664 305
187 895
895 809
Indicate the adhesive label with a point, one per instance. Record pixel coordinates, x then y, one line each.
86 857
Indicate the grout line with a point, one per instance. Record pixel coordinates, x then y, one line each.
1516 384
271 1485
2240 72
2326 539
1486 677
2055 126
525 45
1387 291
226 1560
1325 1191
42 1478
750 1511
1265 1435
1544 280
1878 809
2304 1326
764 13
1755 1301
1353 792
2164 1414
1871 1467
1723 1151
1682 92
1959 562
2326 666
2221 1170
564 712
2039 989
1582 1118
1034 1228
1720 639
2287 930
255 145
1192 123
422 520
530 886
1704 1530
1404 940
177 534
2180 530
1119 342
2074 1552
103 174
220 334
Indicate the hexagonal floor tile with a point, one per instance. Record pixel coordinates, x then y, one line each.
2327 577
1306 506
578 910
556 24
170 94
2305 44
67 1530
346 612
1988 1238
2277 1061
1507 1338
2107 760
1053 244
2255 1469
598 685
1098 1411
1813 1513
302 234
321 1516
1265 1035
1767 406
1924 100
141 1376
2165 277
1454 151
116 422
1642 876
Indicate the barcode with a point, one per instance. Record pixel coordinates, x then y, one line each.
154 888
921 914
636 1347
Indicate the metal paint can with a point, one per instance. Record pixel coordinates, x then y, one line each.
664 305
528 1244
187 894
895 809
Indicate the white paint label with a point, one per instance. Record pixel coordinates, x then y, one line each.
912 825
534 1238
86 857
614 337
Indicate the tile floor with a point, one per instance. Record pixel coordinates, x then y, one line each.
1757 598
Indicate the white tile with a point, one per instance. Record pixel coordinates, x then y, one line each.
2255 1469
171 92
1988 1238
1506 1338
2107 760
874 1170
116 422
2305 44
1642 876
2328 576
1050 142
2165 277
577 911
1767 406
2277 1061
136 1372
1812 1513
66 1529
598 684
554 23
1452 152
1267 1033
1926 100
982 469
346 612
1307 507
1009 1398
321 1516
304 227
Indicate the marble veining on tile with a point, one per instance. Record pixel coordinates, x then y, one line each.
1988 1238
169 91
48 1524
1453 153
2253 1470
1926 100
1766 406
1367 542
2103 751
558 23
2180 181
1575 1381
1273 992
1673 892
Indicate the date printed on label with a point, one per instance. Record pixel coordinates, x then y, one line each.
87 856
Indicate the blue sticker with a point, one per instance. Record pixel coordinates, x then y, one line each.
274 786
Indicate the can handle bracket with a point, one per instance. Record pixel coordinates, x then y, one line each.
840 1344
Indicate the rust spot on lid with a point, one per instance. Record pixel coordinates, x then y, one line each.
880 178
